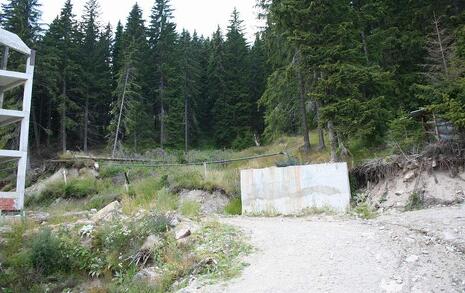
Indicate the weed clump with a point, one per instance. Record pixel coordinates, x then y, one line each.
415 202
190 209
364 211
234 207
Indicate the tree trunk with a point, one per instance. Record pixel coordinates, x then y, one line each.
321 133
63 118
441 46
49 122
86 123
333 141
35 128
186 124
303 109
365 46
162 113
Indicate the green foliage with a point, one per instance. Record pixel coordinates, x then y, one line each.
99 201
46 256
190 209
74 188
365 211
405 132
234 207
166 201
415 202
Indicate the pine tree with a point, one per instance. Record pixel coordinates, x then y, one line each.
257 83
62 41
117 51
90 59
190 84
135 118
215 86
22 17
163 41
236 105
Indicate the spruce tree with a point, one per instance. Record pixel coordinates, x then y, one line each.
169 102
236 105
22 17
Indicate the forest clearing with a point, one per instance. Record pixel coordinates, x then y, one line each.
134 152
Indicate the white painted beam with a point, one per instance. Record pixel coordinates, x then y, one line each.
12 79
13 195
10 116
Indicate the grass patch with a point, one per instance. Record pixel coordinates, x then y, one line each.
415 202
77 188
234 207
190 209
364 211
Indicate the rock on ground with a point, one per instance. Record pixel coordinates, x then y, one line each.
150 275
108 213
324 254
210 203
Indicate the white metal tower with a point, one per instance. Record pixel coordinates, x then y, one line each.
14 201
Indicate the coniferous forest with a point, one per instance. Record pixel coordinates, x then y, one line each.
351 69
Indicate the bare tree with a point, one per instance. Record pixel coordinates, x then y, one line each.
439 47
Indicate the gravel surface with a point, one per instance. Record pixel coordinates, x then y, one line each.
407 252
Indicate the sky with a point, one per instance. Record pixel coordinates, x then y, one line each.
201 15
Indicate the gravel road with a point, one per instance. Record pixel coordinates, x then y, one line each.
409 252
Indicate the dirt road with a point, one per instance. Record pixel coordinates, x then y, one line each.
410 252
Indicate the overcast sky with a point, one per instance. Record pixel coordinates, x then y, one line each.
201 15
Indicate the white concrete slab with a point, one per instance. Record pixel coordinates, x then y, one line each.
291 190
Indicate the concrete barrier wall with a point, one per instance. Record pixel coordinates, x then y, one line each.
291 190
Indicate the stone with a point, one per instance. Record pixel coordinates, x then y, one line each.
182 233
150 275
185 230
108 213
39 217
390 286
151 242
411 259
409 176
87 172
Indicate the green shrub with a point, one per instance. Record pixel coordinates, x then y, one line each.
365 211
407 133
76 188
46 256
153 224
99 201
109 171
415 202
234 207
190 208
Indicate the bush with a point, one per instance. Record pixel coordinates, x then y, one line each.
234 207
415 202
365 211
154 224
46 256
